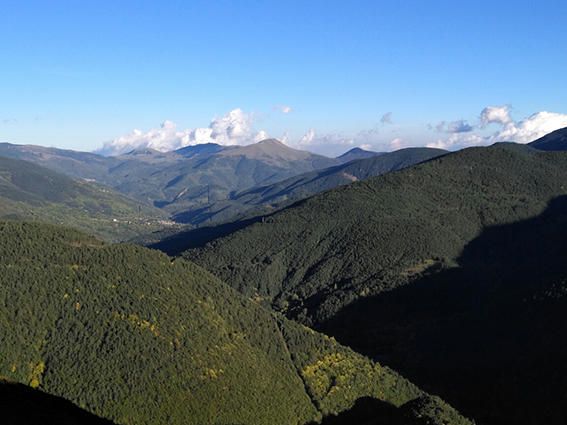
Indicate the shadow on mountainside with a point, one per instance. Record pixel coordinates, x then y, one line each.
488 336
22 405
199 237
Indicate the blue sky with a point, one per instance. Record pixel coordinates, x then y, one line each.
78 74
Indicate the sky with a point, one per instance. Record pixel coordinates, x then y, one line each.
325 76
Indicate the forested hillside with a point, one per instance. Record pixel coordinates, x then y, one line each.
385 265
28 191
132 336
317 256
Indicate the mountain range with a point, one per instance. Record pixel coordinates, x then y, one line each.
264 199
179 180
209 183
438 267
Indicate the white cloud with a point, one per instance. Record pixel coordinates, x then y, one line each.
261 135
325 144
524 131
307 138
532 128
234 128
458 141
495 114
396 144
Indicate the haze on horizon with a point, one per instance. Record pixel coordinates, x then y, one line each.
324 76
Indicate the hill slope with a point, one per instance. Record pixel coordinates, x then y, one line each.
321 260
264 199
131 336
554 141
309 184
32 192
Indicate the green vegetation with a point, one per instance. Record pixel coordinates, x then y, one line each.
317 256
31 192
132 336
453 272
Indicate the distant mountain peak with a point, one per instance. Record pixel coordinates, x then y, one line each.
143 151
271 142
356 153
270 148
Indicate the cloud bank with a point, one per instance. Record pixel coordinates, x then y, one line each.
493 124
507 129
234 128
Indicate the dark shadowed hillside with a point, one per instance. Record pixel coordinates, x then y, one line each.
492 324
22 405
554 141
132 336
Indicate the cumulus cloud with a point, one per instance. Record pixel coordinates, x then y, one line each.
532 128
458 141
523 131
386 118
327 144
495 114
396 144
308 137
234 128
